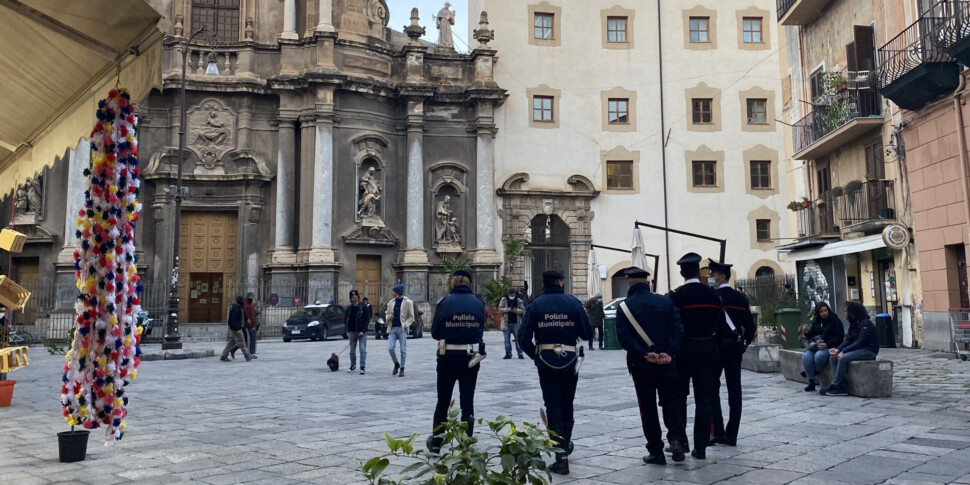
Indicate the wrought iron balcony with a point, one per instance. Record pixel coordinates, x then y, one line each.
840 116
798 12
914 67
816 220
954 33
869 207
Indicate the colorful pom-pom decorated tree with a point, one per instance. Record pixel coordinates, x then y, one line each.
104 355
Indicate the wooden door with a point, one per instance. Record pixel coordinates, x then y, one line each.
208 250
28 273
369 278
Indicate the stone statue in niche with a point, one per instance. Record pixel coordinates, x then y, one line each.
370 193
444 20
211 126
446 228
20 206
35 195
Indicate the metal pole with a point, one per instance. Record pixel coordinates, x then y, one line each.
173 339
656 259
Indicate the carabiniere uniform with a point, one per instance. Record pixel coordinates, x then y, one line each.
701 313
555 321
731 346
459 322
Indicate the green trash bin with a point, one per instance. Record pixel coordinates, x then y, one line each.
788 320
609 334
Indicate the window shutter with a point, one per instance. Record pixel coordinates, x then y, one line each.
865 47
851 63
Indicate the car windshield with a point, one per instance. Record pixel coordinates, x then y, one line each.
308 312
613 304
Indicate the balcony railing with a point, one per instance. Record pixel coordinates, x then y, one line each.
954 33
875 201
799 12
857 99
815 220
783 6
914 67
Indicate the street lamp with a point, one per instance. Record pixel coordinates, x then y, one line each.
173 340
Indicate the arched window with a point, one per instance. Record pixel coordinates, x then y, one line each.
764 271
222 16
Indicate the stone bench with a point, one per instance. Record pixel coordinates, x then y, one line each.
872 378
761 358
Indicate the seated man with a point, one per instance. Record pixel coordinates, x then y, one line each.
862 343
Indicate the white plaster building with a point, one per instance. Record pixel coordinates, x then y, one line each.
595 90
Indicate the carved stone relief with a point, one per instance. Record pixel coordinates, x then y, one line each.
29 205
211 134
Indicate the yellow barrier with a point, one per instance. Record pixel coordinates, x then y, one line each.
12 358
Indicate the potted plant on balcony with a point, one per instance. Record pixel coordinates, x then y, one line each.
852 190
836 192
806 203
794 206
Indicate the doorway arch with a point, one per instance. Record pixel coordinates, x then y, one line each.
549 249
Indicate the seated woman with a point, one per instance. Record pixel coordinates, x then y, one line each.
828 326
862 343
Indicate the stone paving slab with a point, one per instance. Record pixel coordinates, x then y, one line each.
286 419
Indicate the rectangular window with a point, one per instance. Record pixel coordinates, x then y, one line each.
763 229
542 108
751 30
619 174
760 175
222 16
756 112
704 174
698 29
542 23
618 111
616 29
701 110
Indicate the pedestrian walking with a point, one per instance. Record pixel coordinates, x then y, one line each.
735 334
555 321
236 339
594 307
400 313
649 329
249 310
511 307
700 312
458 326
356 321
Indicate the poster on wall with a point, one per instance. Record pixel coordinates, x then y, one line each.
820 281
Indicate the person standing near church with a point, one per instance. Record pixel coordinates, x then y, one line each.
648 327
736 332
356 321
555 321
700 312
401 313
594 308
511 308
459 324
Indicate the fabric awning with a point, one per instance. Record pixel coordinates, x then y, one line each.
57 59
839 248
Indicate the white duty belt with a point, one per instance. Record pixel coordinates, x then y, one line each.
559 349
444 347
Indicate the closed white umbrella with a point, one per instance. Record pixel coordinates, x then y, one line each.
594 283
638 255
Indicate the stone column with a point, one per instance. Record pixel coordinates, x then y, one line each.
283 251
414 260
289 21
484 257
325 24
322 258
79 158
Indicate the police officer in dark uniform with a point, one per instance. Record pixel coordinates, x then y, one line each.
649 329
701 313
736 332
459 322
556 321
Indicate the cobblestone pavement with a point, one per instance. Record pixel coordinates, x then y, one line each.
286 419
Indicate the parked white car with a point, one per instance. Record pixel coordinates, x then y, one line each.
610 309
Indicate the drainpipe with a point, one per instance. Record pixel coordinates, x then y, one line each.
962 144
663 141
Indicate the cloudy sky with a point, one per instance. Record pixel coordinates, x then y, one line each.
401 15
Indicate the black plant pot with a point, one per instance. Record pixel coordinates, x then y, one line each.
72 445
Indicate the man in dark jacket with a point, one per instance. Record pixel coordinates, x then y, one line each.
556 321
594 307
736 332
356 321
649 329
701 313
862 343
458 326
236 338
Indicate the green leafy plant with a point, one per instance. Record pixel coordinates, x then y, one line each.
450 265
514 249
794 205
53 345
494 290
852 190
516 459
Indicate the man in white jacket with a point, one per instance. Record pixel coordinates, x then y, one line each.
400 316
511 307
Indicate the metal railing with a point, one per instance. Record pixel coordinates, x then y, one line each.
917 44
875 200
815 220
783 6
761 289
956 25
857 99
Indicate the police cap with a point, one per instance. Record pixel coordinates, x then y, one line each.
715 267
690 258
636 273
552 275
462 272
